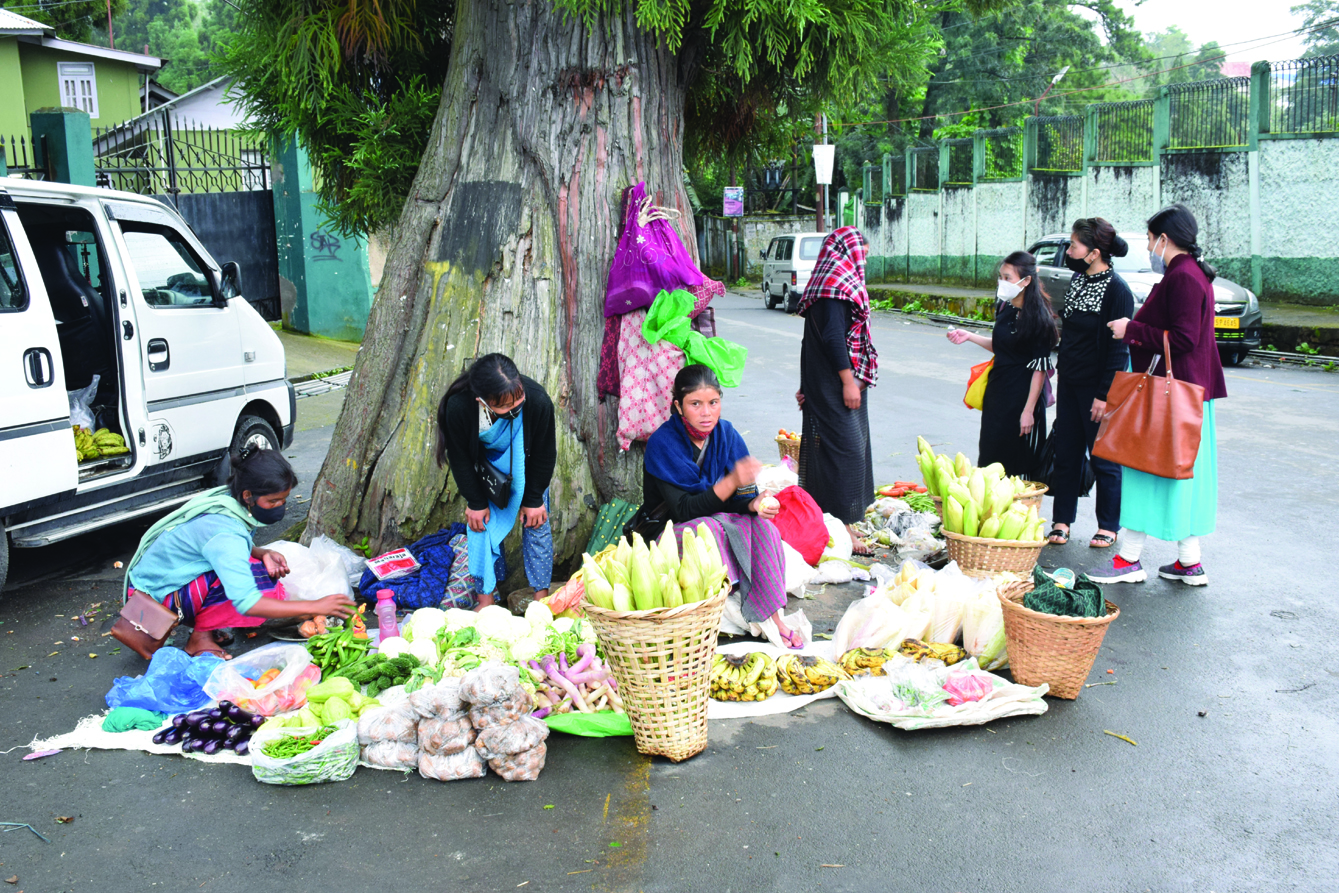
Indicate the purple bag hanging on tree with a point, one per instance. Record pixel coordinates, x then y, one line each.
650 257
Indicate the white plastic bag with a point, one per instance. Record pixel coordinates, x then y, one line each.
798 572
453 766
772 479
391 755
734 624
983 630
871 622
81 405
234 680
841 539
837 571
951 595
313 574
328 552
395 722
334 759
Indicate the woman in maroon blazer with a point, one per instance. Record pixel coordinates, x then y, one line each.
1182 306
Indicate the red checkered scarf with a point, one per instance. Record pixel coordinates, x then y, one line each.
839 274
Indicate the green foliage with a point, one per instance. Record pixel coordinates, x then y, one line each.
1323 40
1303 347
84 21
357 83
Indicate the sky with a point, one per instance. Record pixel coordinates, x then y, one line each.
1228 22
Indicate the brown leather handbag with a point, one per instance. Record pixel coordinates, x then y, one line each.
1152 424
144 624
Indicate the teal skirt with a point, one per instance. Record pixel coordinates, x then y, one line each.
1173 510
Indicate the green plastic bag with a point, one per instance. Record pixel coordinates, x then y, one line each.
605 724
667 320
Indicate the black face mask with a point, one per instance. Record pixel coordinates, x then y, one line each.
268 516
1077 264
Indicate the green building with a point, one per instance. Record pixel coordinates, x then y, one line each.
38 70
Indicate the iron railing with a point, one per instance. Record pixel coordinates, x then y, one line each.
1059 144
1004 153
897 177
925 169
1124 132
156 156
960 162
1210 114
20 158
1304 96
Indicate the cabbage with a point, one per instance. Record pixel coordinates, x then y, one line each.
530 647
562 624
494 622
424 623
425 650
459 618
538 615
393 647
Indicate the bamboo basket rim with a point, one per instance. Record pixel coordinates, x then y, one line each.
1011 597
991 541
657 614
780 439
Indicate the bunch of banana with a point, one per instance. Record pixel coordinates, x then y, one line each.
866 661
95 444
743 677
918 650
803 674
638 576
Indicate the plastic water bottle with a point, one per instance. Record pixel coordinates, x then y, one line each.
385 611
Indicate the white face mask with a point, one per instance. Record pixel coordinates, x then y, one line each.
1006 290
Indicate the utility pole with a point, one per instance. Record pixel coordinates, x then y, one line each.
820 191
111 39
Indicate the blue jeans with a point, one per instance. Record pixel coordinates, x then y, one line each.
536 553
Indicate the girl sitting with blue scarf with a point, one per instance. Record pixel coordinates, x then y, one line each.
698 468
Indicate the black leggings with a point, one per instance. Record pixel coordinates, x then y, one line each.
1074 432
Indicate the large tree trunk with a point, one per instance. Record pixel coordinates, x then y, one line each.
505 245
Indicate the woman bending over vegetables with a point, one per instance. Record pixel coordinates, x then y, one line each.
201 562
699 468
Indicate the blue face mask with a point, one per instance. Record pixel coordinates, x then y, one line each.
1155 258
267 516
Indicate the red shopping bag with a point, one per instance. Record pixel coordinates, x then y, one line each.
800 521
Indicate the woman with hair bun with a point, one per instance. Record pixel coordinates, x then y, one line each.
201 560
1181 306
1088 359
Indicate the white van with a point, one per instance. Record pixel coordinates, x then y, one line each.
113 284
786 265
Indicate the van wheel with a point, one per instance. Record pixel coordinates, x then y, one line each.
792 301
4 559
769 299
254 431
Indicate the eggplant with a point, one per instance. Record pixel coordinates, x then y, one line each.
242 748
236 733
216 713
194 719
188 745
224 705
159 736
211 747
219 728
179 721
173 736
257 721
238 715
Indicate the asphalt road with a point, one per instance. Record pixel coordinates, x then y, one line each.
1239 798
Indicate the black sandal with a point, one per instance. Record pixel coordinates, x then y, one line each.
1101 541
1056 531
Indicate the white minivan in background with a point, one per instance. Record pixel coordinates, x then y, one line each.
786 265
115 285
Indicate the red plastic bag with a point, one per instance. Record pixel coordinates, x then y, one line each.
800 521
964 687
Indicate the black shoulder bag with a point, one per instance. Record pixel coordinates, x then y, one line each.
496 484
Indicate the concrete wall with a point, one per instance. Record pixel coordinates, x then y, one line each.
755 232
1216 187
1130 191
1299 209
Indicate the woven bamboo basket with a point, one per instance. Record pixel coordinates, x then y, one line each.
1059 651
1032 495
981 557
662 661
789 448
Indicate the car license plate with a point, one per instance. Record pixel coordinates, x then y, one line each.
1226 322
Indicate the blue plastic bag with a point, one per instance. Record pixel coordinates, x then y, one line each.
173 683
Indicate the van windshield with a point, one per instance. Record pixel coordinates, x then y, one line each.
810 247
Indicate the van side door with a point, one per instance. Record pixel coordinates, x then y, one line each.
37 454
190 352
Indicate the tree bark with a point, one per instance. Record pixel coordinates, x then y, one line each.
505 245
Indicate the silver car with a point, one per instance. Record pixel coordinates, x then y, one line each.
1237 317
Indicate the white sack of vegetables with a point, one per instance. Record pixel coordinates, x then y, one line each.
464 763
523 766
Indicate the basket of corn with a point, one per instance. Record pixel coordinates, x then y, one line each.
656 610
